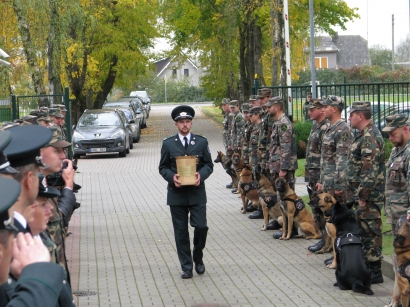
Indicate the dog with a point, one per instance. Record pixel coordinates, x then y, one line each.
247 187
268 200
352 272
401 261
321 202
295 213
227 165
237 163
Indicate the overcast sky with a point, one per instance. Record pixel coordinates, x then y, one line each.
375 23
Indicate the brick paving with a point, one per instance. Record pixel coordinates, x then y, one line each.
122 244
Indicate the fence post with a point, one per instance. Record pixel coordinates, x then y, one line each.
378 113
68 120
13 107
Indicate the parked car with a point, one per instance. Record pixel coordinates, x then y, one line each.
101 131
402 108
135 104
146 99
134 123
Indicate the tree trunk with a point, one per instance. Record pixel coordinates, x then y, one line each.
274 30
257 55
108 84
251 56
281 43
243 44
53 51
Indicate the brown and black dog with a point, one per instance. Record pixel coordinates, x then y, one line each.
295 213
268 200
247 188
401 263
323 202
227 165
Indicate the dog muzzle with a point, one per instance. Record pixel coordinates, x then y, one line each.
404 270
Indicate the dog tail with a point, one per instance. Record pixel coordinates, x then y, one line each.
360 288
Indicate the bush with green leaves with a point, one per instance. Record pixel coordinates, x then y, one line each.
302 131
388 146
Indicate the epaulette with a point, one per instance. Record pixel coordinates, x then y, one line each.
168 137
201 136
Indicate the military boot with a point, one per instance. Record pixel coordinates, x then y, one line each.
250 207
229 185
318 246
376 272
258 214
273 225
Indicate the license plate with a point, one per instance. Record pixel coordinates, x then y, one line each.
98 149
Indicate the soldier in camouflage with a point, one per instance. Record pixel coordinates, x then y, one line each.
255 118
312 165
335 146
226 129
237 124
365 177
246 133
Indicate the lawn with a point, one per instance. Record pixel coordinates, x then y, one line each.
214 112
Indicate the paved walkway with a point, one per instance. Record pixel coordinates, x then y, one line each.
122 249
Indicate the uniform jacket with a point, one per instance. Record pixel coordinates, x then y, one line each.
237 124
172 148
264 138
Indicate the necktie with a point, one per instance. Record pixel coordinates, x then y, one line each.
186 142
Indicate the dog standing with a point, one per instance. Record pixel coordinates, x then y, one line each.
268 200
227 165
352 272
295 213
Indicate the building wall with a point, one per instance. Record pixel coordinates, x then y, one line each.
194 73
331 58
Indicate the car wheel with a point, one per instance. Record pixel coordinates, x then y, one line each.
131 144
127 151
145 124
123 153
139 136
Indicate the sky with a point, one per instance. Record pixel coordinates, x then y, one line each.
375 23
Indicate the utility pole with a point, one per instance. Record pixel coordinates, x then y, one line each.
288 69
392 42
312 50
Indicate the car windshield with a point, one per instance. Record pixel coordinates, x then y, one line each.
128 114
139 93
99 119
116 104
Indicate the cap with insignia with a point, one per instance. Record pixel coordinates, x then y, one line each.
255 110
182 112
264 92
5 168
25 144
333 101
360 106
315 103
234 103
9 190
246 107
273 100
46 191
253 98
395 121
57 140
226 101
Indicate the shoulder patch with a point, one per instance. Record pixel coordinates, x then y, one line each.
284 127
367 142
345 136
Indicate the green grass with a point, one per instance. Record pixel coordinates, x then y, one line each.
300 172
214 112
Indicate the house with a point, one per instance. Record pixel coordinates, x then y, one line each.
341 51
173 67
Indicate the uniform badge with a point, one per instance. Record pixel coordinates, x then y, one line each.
192 142
345 136
284 127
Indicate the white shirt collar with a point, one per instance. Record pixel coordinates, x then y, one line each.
181 137
20 219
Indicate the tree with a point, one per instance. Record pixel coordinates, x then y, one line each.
380 56
402 53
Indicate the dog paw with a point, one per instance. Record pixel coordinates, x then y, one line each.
263 228
331 266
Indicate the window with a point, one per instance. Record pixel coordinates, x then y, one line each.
174 72
186 72
320 63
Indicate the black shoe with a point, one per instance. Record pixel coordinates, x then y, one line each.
328 260
376 272
273 225
234 190
256 215
200 267
318 246
250 207
277 235
186 274
229 185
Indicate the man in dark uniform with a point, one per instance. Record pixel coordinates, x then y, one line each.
187 199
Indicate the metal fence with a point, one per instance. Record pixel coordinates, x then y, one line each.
25 104
5 110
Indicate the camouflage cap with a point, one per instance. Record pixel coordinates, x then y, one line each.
57 140
273 100
234 103
45 119
55 113
246 107
255 110
30 119
315 103
360 106
264 92
333 101
226 100
395 121
253 98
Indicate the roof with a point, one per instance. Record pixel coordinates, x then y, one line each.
325 44
161 65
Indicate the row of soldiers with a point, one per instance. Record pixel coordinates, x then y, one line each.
354 169
37 200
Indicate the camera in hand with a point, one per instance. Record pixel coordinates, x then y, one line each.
56 180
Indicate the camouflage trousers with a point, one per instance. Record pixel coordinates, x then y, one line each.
370 224
290 178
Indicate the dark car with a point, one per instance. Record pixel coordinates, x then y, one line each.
101 131
134 104
146 99
134 123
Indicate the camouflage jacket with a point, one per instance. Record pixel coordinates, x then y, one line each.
264 138
226 128
253 144
245 140
314 150
282 148
335 147
365 170
237 124
397 182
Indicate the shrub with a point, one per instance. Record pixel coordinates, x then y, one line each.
388 146
302 131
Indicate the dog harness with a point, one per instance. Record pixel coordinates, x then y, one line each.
299 204
346 240
246 187
270 200
404 270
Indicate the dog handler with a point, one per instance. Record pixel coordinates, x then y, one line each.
188 200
